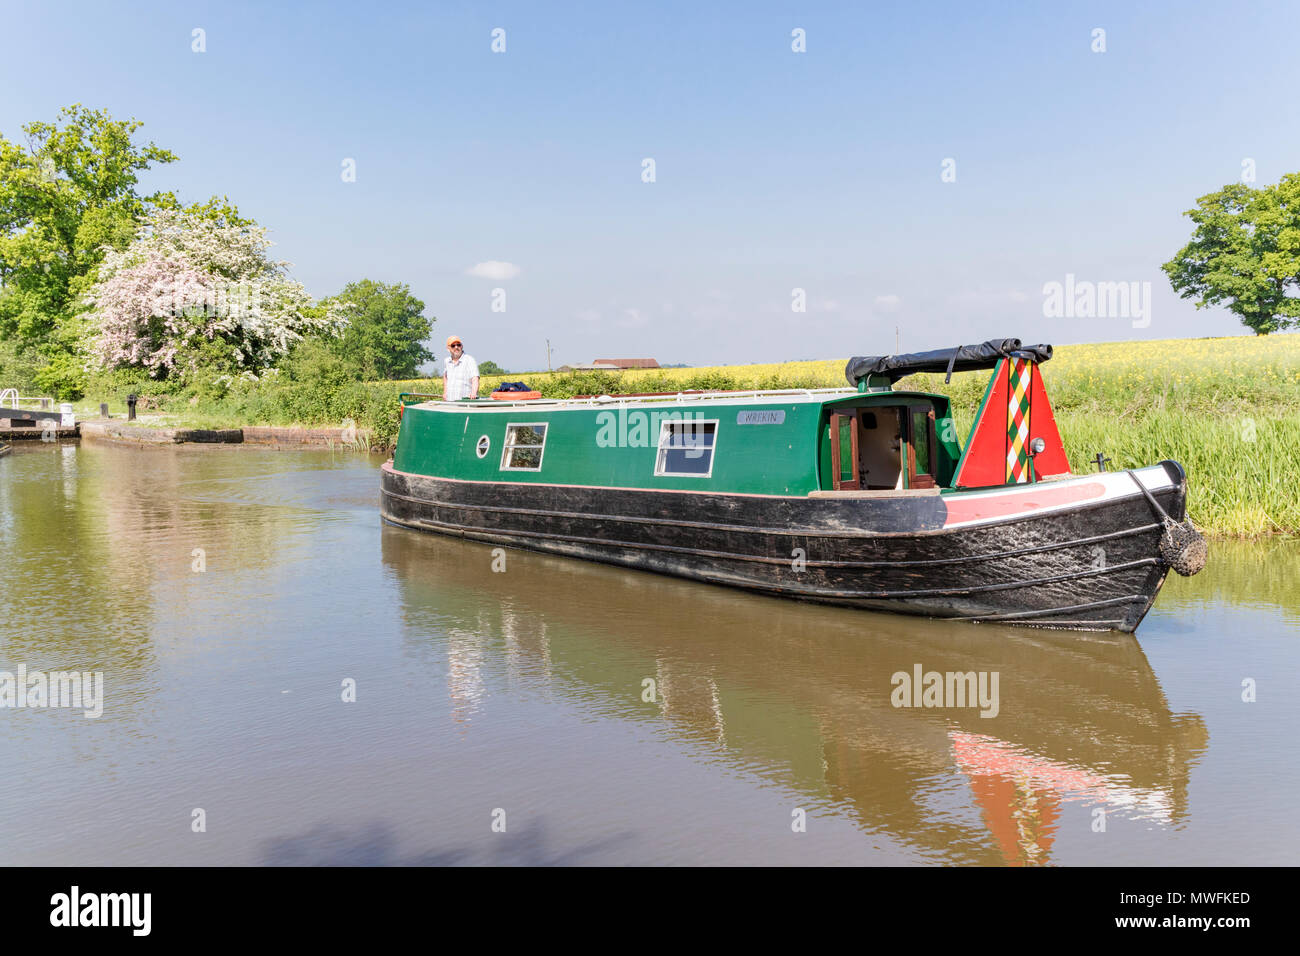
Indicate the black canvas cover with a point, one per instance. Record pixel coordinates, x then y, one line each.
963 358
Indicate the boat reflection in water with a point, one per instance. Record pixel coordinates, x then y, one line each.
801 695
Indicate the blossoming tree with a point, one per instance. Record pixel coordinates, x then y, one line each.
193 293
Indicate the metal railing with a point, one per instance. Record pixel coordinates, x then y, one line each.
11 396
809 394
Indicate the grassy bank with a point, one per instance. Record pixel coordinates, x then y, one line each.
1228 409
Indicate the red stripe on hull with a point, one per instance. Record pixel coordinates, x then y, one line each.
981 507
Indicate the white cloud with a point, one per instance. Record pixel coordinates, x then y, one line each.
492 269
887 303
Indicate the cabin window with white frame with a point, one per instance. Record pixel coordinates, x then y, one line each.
523 447
686 448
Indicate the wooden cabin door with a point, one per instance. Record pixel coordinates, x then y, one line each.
921 469
844 452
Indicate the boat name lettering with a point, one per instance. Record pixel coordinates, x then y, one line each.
776 417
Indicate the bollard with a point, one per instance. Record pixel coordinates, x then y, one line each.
45 403
130 407
103 409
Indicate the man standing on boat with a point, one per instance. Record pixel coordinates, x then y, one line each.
459 372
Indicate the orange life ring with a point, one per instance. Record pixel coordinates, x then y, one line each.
515 396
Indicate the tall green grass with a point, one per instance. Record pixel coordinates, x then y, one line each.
1241 470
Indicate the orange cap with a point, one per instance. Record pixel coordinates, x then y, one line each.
454 340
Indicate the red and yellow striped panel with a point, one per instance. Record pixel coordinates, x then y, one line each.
1020 372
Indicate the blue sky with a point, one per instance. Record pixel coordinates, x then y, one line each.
774 170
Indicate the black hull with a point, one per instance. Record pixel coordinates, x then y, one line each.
1093 566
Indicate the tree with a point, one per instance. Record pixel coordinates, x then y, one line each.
64 198
386 330
491 368
1245 253
195 292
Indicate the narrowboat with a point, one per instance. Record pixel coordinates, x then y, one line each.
860 496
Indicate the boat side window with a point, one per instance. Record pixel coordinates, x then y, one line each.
686 448
523 447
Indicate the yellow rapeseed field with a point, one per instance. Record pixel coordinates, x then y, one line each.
1144 375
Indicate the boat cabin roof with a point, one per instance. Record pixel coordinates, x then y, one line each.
820 396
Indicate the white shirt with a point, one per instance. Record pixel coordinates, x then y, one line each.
460 376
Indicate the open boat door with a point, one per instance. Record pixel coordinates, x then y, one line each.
1014 439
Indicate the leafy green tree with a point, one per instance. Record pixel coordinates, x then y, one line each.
64 197
386 330
1245 253
491 368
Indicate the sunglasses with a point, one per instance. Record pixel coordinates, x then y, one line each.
456 346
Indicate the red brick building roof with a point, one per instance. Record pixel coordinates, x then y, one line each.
628 363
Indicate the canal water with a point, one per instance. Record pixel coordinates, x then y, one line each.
517 708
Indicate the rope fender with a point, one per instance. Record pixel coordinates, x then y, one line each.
1181 546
